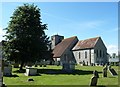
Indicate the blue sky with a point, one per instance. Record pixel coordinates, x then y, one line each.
81 19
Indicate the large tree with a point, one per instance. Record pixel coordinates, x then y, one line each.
26 40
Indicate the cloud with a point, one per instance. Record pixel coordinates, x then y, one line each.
112 49
94 24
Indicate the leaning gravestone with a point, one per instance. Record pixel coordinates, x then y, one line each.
105 72
113 72
94 80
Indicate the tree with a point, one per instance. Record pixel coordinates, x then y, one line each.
25 37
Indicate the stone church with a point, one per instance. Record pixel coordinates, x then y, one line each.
90 51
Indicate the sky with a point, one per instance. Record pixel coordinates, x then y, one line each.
82 19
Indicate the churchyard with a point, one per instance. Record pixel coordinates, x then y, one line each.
53 75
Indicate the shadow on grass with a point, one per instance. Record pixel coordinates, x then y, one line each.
19 71
60 71
11 75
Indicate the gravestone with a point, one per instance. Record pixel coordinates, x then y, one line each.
96 74
94 79
30 71
72 65
105 72
113 72
66 66
7 70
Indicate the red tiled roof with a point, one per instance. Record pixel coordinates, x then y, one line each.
62 46
84 44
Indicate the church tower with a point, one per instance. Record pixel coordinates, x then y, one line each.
56 39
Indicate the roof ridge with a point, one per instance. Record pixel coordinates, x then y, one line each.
96 41
90 38
70 37
70 40
87 43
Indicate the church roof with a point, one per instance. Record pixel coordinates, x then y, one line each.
87 43
62 46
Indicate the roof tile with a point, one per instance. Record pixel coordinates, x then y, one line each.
84 44
62 46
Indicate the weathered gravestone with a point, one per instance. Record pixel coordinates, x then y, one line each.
105 72
7 69
94 79
30 71
66 66
70 66
96 74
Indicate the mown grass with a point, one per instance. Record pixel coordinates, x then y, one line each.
81 76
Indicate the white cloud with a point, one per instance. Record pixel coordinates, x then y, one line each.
112 49
91 24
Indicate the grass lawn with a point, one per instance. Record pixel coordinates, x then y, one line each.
81 76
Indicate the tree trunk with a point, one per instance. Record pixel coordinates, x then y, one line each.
21 66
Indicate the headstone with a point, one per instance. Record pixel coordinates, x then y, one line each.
93 81
96 74
66 66
113 72
7 70
72 65
31 71
105 72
